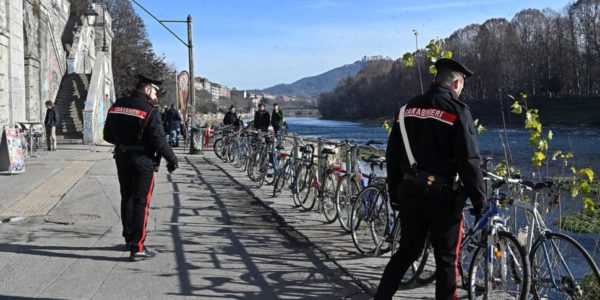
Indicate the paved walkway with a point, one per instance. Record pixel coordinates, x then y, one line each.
217 237
214 241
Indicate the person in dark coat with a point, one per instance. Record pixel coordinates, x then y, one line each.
440 133
50 122
174 124
261 118
277 118
135 127
231 117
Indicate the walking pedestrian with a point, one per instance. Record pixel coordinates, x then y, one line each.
261 118
50 122
134 126
438 130
174 124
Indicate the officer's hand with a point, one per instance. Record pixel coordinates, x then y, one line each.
171 166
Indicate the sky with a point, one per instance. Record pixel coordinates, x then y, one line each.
255 44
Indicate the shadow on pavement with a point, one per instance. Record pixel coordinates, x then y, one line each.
256 255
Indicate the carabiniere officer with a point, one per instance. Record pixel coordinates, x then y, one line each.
135 127
441 136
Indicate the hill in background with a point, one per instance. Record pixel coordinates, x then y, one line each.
312 87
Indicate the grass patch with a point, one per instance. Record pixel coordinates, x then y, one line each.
580 222
590 287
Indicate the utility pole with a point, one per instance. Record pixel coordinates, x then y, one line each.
192 92
189 44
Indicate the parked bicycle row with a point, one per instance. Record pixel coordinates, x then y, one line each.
508 253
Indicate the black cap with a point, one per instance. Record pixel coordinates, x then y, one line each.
452 65
143 79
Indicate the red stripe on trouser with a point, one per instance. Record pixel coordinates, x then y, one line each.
460 229
148 198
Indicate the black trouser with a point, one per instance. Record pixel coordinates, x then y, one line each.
136 178
420 214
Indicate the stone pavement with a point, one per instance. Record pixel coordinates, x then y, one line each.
214 240
216 236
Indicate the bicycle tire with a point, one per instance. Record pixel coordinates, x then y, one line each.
520 272
217 147
571 281
328 196
366 220
231 152
280 180
269 180
346 191
261 168
304 187
426 264
415 269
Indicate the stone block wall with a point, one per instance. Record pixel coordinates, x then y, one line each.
32 57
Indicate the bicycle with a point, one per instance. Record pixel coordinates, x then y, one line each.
560 267
351 184
369 219
310 185
499 268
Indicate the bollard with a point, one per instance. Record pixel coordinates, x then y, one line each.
197 138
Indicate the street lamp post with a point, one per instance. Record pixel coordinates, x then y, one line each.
91 12
190 47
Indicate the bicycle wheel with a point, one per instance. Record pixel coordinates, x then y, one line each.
231 151
510 270
261 168
416 268
218 148
346 191
328 196
562 269
427 264
369 220
305 187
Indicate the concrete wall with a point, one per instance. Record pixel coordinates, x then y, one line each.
32 58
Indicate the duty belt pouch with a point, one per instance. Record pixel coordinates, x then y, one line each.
433 185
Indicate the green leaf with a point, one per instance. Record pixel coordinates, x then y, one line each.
523 95
556 154
432 70
481 129
543 145
573 170
589 206
574 191
538 158
447 53
569 155
386 126
533 141
516 108
584 186
408 59
587 172
501 169
550 135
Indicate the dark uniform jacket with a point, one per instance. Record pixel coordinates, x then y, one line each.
277 118
125 121
261 120
231 118
51 117
442 139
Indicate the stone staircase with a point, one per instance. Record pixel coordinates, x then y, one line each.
70 102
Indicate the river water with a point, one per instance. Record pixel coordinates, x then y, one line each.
584 143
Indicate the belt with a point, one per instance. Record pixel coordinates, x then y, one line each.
127 148
408 176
